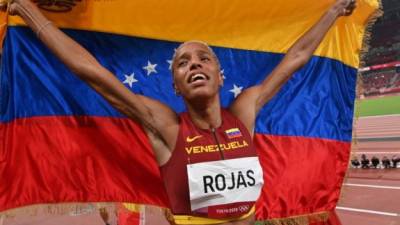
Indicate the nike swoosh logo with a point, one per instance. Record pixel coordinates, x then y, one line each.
191 139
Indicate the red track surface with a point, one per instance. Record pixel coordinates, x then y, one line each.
375 193
152 216
87 219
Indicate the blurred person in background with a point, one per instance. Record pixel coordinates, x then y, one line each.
375 161
364 162
395 161
385 162
355 163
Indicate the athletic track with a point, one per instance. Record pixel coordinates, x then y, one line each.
372 196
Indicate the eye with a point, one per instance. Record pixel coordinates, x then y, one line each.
182 63
205 59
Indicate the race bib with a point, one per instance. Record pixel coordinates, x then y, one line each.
226 187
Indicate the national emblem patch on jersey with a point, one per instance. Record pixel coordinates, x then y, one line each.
233 133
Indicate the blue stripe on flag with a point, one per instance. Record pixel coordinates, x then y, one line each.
316 102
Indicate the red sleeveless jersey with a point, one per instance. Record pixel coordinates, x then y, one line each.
196 145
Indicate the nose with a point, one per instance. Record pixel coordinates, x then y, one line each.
195 64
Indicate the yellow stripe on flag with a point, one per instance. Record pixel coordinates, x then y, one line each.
264 25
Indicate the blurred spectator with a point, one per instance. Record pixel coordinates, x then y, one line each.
355 163
364 162
395 161
385 162
375 161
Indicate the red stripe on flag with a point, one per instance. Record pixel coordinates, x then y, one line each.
96 159
126 217
76 159
301 175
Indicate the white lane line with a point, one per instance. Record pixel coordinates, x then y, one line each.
368 211
372 186
381 116
398 152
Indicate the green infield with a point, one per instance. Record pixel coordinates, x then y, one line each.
378 106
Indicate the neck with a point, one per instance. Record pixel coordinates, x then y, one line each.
206 114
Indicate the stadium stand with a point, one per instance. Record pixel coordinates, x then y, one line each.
380 82
384 49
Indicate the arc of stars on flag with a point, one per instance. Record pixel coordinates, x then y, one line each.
151 68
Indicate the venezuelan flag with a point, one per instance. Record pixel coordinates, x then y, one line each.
61 142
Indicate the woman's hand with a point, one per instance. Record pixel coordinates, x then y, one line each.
10 5
345 7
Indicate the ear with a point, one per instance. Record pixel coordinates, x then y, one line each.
221 79
177 92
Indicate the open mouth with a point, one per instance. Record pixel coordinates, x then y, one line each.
197 77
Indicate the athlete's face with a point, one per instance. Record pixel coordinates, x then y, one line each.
196 71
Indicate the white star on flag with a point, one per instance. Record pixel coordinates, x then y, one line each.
150 68
236 90
169 64
130 79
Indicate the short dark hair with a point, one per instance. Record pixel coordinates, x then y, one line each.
198 42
